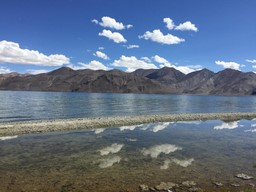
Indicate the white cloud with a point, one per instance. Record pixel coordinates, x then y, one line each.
132 63
109 162
228 125
114 148
169 23
95 21
159 37
251 61
11 52
94 65
186 26
111 23
129 26
184 69
160 60
101 48
254 66
4 70
8 137
115 36
101 55
37 71
132 46
156 150
146 59
231 65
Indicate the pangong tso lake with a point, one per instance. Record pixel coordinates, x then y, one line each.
211 155
26 105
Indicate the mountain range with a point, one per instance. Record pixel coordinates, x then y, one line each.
164 80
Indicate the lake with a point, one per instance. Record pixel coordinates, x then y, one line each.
204 154
21 105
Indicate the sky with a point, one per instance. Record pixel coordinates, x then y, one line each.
188 35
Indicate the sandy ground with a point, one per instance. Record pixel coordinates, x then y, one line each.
27 127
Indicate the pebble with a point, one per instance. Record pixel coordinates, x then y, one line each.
188 183
244 176
235 185
18 128
165 186
193 189
218 184
144 187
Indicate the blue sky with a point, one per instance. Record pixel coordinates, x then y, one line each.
39 36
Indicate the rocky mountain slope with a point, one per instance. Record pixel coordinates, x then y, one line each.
164 80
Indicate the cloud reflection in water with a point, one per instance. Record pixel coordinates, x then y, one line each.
156 150
114 148
109 162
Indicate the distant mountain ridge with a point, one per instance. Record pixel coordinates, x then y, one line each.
164 80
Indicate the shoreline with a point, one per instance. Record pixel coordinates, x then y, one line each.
44 126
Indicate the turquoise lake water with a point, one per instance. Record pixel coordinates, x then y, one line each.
122 158
20 105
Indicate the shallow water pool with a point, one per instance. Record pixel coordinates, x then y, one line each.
123 158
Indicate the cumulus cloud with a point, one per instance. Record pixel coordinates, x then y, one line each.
115 36
161 60
8 137
187 26
101 55
157 36
169 23
184 69
160 127
109 162
37 71
146 59
251 61
4 70
94 65
10 52
129 26
111 23
132 46
101 48
156 150
231 65
132 63
114 148
228 125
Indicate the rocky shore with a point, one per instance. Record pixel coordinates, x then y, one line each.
27 127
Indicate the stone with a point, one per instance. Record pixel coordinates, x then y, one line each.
165 186
193 189
218 184
244 176
235 185
251 184
188 183
144 187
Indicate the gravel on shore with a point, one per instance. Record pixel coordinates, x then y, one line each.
28 127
